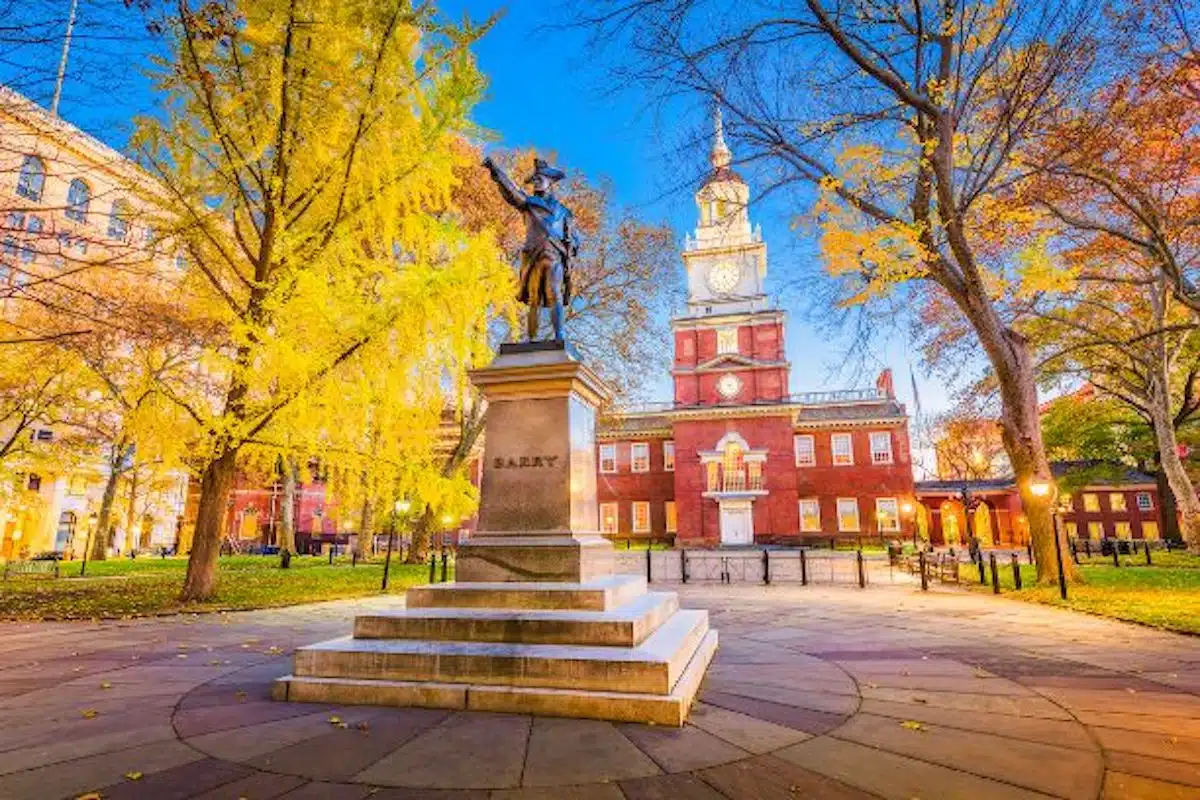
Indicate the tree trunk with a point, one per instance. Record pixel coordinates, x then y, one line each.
215 482
422 530
1182 490
1167 506
287 502
364 542
100 537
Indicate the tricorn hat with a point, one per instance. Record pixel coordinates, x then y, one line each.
540 167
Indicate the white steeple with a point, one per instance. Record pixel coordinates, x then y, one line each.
720 156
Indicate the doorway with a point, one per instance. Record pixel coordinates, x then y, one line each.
737 523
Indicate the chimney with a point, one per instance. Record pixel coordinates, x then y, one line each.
884 383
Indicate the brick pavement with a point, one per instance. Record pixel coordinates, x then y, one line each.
815 692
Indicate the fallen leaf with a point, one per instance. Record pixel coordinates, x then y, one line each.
133 775
912 725
182 655
240 695
920 700
90 796
105 685
335 720
89 713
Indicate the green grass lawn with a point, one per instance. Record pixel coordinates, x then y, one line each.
146 586
1166 595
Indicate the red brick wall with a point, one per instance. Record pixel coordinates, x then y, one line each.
624 486
1108 518
762 342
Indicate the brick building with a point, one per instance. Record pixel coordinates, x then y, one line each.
735 458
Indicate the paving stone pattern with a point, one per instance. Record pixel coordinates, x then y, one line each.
815 692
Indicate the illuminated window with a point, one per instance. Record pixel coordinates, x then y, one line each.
712 475
639 457
1095 530
843 450
887 512
1116 501
754 476
847 511
669 456
641 517
78 198
881 447
32 179
733 468
608 518
806 452
810 515
1068 502
1072 530
1123 530
727 341
669 515
1091 502
1145 502
1149 530
608 458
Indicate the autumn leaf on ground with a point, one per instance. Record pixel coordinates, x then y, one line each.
89 713
335 720
105 685
240 695
133 775
872 685
90 796
912 725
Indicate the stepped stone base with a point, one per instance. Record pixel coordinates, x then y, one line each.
604 649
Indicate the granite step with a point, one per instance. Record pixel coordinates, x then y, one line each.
601 594
618 706
653 666
626 626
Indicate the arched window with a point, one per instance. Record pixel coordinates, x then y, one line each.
78 198
32 178
118 220
733 467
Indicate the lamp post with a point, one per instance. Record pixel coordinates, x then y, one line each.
1041 487
401 507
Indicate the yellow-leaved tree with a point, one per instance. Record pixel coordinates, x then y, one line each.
308 149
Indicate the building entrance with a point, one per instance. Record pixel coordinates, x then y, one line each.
737 523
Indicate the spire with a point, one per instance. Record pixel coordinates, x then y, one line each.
720 156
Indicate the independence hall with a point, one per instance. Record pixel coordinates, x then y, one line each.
735 459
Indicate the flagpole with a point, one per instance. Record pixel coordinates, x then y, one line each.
62 61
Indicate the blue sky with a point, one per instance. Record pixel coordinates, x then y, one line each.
548 92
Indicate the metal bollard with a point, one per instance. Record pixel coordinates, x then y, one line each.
648 551
803 569
1087 547
924 571
1146 546
724 569
1116 548
995 574
767 567
331 549
432 567
683 566
862 574
444 561
1075 553
1016 565
982 576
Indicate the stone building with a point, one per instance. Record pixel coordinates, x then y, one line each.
736 458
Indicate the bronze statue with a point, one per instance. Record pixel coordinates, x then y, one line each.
549 244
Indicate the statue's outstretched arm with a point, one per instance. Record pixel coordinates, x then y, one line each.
508 190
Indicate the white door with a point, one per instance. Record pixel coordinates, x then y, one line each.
737 523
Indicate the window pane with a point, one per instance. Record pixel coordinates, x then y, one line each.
810 516
608 518
1095 530
847 514
1091 502
1117 501
805 450
843 452
1144 502
608 458
669 514
727 341
32 178
669 456
881 447
1149 530
1072 530
641 517
640 457
887 512
78 197
1123 530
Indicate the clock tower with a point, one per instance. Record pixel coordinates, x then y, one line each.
729 346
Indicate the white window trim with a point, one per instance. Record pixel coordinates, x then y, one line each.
815 502
857 515
833 437
812 449
1149 501
634 516
879 516
669 456
887 436
611 451
634 447
616 518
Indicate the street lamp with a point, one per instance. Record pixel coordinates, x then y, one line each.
1043 488
906 510
402 506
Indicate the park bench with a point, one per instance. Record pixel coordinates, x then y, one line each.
946 568
48 567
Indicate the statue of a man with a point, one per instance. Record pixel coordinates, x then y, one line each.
549 244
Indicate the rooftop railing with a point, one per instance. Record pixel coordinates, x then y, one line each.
803 398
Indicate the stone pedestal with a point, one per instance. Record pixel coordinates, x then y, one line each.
536 622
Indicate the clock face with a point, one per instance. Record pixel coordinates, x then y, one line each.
723 277
729 385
